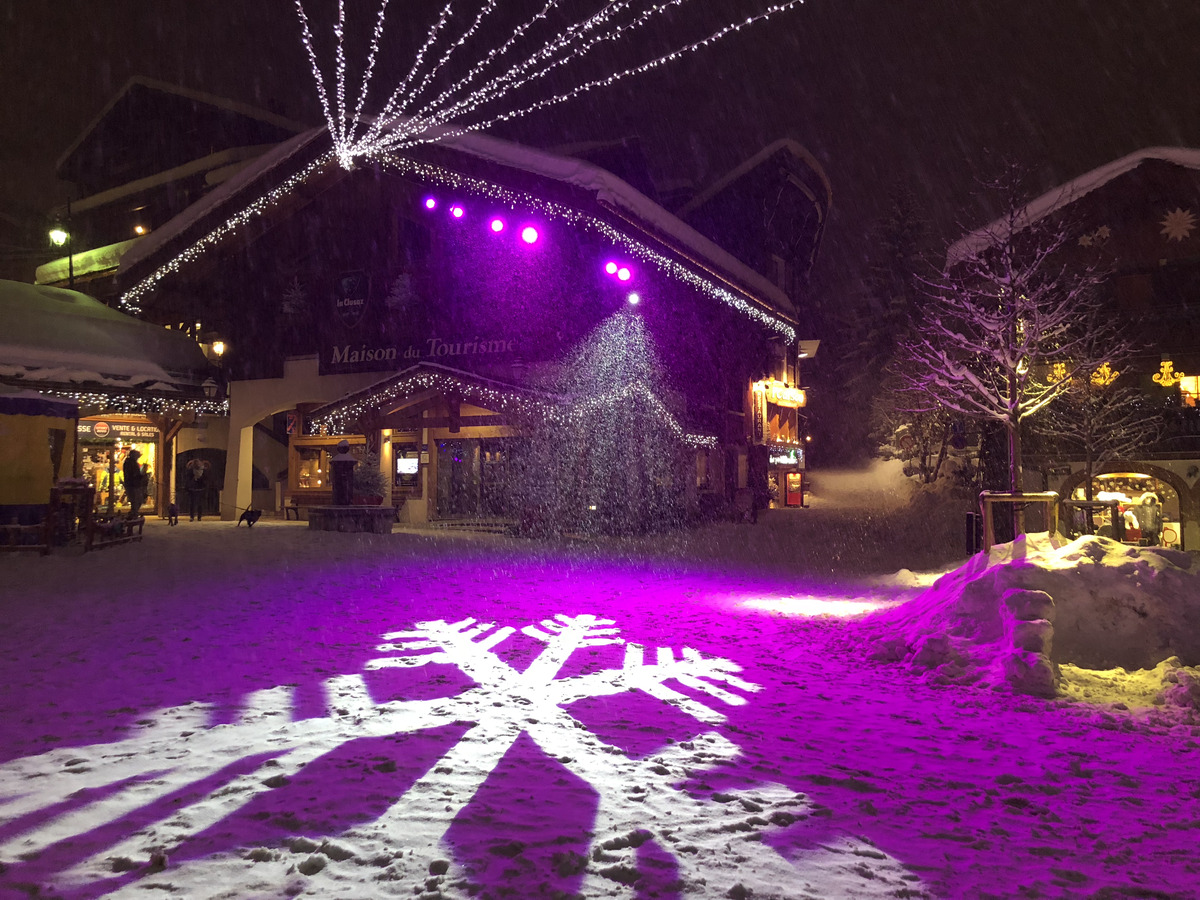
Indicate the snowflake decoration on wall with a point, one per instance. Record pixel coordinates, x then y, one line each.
181 777
1178 224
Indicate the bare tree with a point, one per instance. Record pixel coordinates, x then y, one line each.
1009 305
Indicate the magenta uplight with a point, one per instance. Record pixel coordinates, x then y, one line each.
457 211
633 298
623 274
497 225
430 203
610 268
529 234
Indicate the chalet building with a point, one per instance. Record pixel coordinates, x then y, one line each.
1138 217
155 149
419 305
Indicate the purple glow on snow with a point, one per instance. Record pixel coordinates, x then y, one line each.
457 211
882 754
623 274
430 203
529 234
611 268
634 298
497 225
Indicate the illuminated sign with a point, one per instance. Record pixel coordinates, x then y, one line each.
786 457
781 394
99 429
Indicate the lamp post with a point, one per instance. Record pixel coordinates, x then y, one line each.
59 237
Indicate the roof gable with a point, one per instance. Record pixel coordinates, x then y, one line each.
150 126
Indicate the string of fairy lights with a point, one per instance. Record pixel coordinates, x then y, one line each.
139 404
405 121
445 178
346 416
448 179
129 300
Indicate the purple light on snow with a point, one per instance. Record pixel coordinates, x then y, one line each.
497 225
633 298
623 274
430 203
457 211
529 234
610 268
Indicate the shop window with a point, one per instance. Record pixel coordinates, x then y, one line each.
313 472
1189 390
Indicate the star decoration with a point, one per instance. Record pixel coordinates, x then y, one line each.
1178 224
1094 238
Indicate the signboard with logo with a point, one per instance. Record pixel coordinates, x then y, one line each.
293 423
351 293
107 430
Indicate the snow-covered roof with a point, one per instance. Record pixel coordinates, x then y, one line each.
1065 194
272 159
634 207
99 259
56 336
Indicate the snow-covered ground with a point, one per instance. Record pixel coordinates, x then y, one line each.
223 712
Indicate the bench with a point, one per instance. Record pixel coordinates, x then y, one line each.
105 531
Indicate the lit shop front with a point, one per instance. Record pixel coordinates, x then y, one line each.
776 423
785 475
308 466
1147 508
104 444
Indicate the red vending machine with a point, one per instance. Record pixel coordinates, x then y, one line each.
794 489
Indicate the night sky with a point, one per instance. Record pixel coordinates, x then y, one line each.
928 94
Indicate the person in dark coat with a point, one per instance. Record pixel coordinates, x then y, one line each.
1149 516
135 482
195 483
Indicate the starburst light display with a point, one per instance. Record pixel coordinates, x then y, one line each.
493 80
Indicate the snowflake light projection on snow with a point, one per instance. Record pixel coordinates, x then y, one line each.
130 804
500 80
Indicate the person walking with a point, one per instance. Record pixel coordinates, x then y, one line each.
135 482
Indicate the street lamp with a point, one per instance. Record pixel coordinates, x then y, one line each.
60 237
210 388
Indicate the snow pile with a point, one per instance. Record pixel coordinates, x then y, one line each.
1016 617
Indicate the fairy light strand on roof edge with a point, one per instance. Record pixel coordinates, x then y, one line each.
436 175
514 199
344 418
403 121
122 404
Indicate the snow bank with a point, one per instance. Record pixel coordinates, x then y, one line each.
1012 619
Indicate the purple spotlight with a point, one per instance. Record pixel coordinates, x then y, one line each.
633 298
610 268
529 234
457 211
430 203
497 225
623 274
